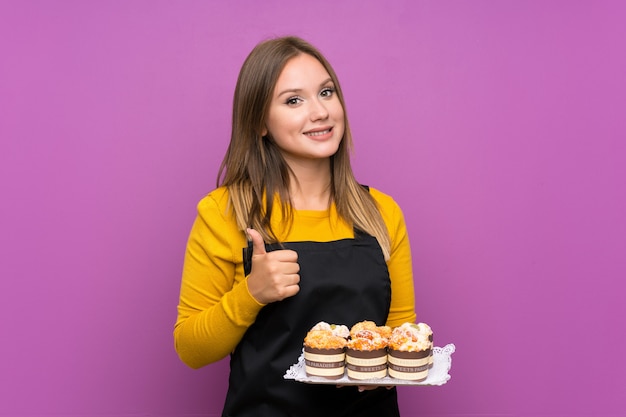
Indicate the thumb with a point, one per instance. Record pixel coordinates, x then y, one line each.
258 246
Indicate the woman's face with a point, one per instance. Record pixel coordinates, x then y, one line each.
306 118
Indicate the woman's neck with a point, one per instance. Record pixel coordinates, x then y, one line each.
310 187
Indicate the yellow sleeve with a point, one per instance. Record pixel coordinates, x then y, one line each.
400 264
215 307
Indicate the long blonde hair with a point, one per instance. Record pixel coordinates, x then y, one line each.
254 170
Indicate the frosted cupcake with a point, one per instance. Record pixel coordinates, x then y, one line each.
410 352
425 331
366 354
425 328
325 350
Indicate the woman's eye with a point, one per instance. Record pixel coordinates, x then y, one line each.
327 92
292 101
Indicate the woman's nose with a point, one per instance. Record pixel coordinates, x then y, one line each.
318 110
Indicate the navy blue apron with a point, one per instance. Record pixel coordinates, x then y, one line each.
342 282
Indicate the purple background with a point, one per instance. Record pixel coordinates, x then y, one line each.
497 125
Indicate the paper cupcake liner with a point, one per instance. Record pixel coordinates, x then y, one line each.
412 366
328 363
366 364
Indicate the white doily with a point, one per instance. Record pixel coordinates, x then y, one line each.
439 374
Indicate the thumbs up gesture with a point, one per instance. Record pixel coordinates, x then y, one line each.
274 275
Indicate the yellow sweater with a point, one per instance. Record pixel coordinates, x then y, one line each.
216 308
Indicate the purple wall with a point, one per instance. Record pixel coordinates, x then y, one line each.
498 126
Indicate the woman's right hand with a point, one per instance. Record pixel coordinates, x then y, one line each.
274 275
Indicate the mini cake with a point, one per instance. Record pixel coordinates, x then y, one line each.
426 328
325 350
426 332
366 354
410 352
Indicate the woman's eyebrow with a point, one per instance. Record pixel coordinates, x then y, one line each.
299 90
290 91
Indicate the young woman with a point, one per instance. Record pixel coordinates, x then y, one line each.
290 238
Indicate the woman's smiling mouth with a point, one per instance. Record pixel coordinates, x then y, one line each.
316 133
